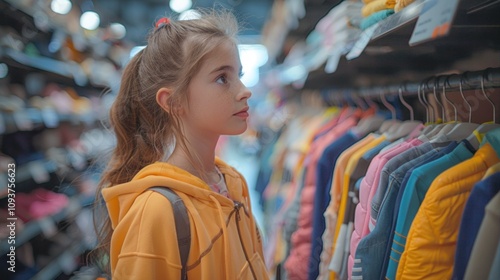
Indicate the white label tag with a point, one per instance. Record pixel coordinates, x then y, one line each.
362 42
434 21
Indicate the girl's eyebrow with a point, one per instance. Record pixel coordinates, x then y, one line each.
225 67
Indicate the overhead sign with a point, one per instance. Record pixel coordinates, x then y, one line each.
434 21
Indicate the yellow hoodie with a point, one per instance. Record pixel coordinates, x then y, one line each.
225 242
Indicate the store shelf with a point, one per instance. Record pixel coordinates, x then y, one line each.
17 17
398 20
478 5
27 11
28 171
388 57
71 71
34 26
67 258
36 227
30 118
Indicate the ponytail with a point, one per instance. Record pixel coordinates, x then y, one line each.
134 149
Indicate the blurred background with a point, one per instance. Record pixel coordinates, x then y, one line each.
60 67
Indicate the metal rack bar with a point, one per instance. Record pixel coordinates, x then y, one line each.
470 80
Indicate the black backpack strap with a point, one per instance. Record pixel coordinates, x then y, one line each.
181 225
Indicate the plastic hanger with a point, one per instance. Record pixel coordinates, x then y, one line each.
485 127
450 125
391 133
386 125
436 84
367 124
424 105
382 129
462 130
406 127
431 123
436 128
455 111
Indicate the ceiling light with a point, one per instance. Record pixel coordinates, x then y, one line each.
61 7
118 31
90 20
180 6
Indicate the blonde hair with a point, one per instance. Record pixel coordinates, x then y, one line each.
174 53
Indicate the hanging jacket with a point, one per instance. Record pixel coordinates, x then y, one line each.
225 242
297 264
431 242
367 190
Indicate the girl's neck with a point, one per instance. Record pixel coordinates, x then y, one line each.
180 159
203 154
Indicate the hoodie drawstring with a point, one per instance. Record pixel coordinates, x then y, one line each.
224 234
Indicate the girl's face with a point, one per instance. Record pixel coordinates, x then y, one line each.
218 100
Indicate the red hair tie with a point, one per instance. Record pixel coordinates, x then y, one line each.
162 22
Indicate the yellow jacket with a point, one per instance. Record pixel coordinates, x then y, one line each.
432 239
225 241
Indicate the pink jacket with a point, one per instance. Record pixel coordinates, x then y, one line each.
367 190
298 261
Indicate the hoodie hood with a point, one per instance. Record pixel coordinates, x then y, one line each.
144 246
119 198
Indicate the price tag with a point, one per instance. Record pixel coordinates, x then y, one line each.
23 121
48 227
50 118
362 42
434 21
39 172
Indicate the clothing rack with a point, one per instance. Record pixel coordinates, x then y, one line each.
490 78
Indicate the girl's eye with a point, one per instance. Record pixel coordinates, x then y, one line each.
222 80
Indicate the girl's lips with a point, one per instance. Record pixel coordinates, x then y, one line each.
242 114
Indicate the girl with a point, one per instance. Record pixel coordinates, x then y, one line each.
177 96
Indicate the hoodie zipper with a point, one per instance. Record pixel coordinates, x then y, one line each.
237 206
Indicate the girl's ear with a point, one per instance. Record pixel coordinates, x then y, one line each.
162 98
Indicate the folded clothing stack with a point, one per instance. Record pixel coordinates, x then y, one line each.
341 24
39 203
374 11
400 4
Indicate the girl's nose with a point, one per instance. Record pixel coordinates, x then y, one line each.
245 93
